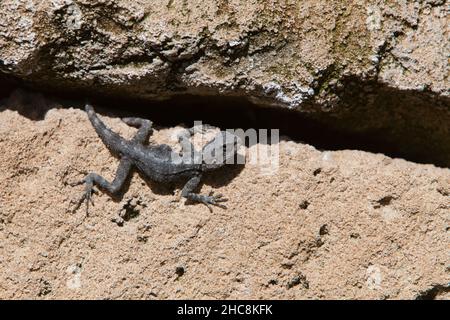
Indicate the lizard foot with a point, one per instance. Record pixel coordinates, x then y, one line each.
87 195
201 128
214 200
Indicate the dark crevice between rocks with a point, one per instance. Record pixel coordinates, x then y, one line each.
7 84
368 116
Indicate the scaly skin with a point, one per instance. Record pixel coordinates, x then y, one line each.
156 163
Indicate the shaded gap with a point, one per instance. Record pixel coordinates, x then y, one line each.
7 85
396 123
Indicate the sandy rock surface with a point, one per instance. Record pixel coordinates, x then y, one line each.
343 224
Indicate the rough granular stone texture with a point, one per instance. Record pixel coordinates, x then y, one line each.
341 224
281 53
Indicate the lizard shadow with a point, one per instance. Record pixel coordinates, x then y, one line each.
222 176
215 179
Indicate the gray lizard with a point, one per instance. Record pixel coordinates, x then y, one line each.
159 162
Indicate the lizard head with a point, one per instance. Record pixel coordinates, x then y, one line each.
221 150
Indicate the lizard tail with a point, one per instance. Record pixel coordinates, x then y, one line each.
111 139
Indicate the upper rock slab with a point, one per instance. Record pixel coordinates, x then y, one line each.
273 52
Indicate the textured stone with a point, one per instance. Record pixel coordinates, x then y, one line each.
328 224
342 224
282 53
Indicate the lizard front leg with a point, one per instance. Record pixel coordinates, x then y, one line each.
144 128
188 152
122 173
188 192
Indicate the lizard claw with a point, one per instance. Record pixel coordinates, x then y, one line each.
76 183
200 128
87 195
215 200
186 134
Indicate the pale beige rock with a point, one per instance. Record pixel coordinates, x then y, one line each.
343 224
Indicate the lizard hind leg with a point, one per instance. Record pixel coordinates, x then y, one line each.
211 199
93 179
144 128
188 152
